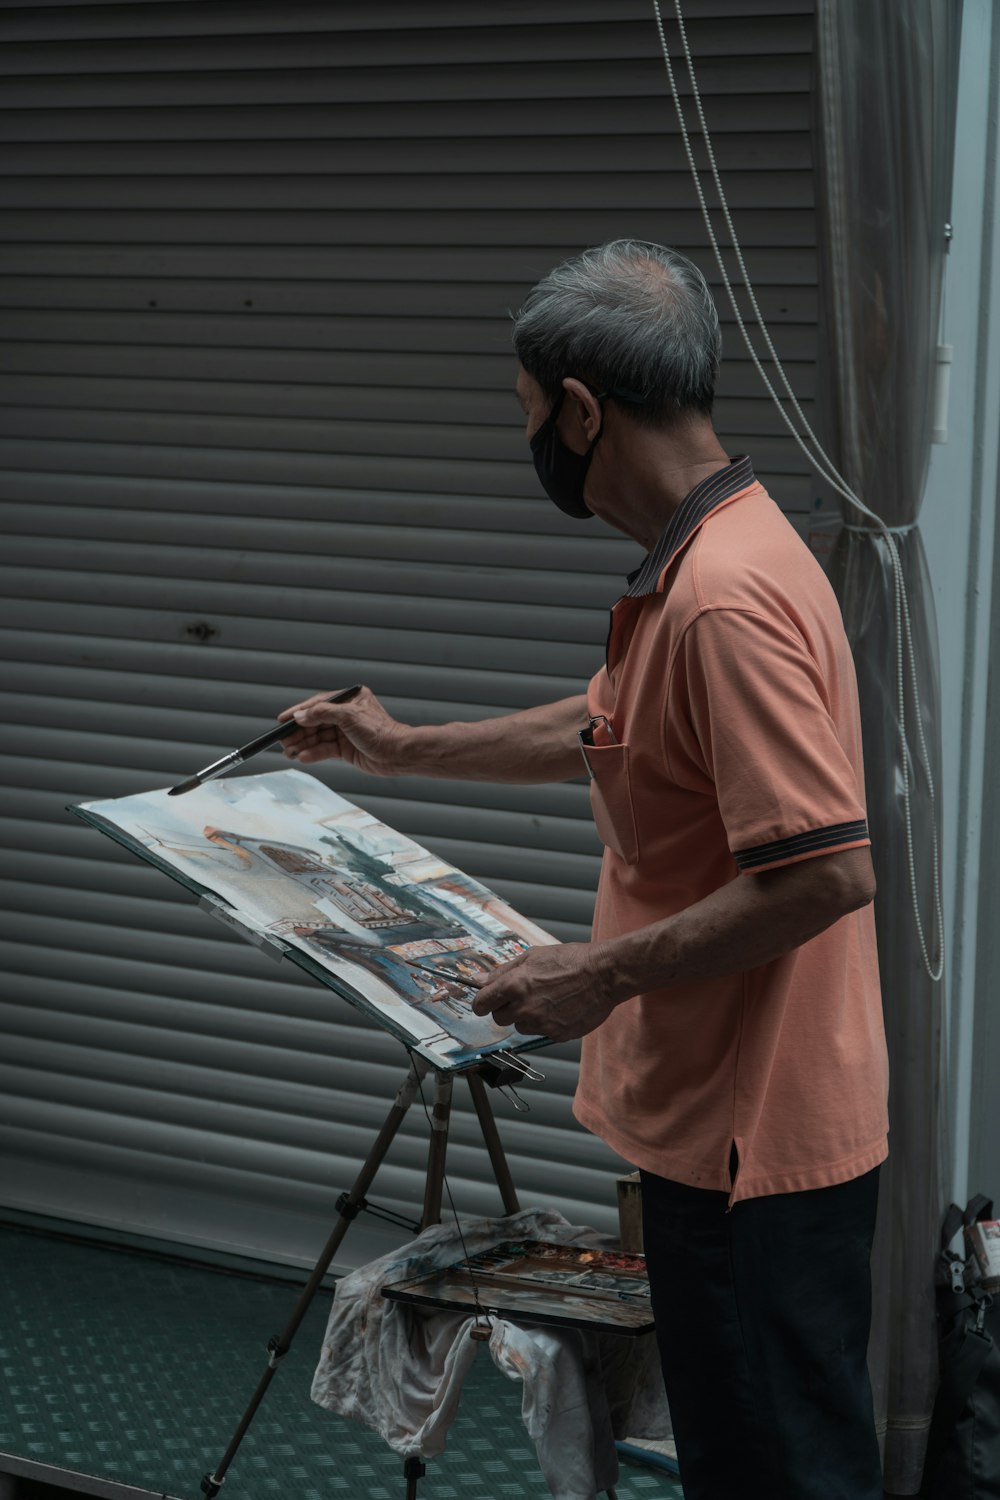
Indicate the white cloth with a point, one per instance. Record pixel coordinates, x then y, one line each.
400 1369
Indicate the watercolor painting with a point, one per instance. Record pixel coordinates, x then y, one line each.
385 923
536 1281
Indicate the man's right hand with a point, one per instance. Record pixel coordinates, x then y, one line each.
536 745
359 732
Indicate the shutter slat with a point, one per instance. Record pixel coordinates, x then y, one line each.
322 605
300 192
314 300
773 264
335 228
455 476
751 151
128 19
148 354
367 52
259 568
141 672
574 662
569 799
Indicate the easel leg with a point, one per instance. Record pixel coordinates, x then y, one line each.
440 1120
279 1346
413 1469
498 1161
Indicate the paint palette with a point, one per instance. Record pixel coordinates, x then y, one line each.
535 1281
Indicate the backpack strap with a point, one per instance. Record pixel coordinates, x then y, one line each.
953 1221
951 1261
979 1207
950 1304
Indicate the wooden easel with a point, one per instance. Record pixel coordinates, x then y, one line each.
351 1203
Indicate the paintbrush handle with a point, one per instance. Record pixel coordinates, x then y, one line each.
254 747
272 737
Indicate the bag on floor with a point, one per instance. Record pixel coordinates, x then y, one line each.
963 1448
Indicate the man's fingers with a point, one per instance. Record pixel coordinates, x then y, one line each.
307 703
356 729
311 716
490 1001
305 746
500 992
503 1012
315 746
300 739
318 715
481 1005
293 708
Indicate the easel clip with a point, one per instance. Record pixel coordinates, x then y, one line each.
225 914
501 1068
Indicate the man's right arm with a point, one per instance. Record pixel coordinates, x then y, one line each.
537 745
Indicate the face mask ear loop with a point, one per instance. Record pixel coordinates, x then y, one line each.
557 406
600 397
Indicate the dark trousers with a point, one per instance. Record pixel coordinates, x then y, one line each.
762 1317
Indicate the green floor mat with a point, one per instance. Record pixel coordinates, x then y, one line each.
135 1369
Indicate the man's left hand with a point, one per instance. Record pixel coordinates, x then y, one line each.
559 992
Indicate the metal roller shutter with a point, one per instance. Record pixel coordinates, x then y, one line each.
258 438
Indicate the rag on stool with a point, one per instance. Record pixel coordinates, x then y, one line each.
399 1369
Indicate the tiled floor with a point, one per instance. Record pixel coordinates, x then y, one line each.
136 1369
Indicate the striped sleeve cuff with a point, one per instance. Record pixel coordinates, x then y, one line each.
816 841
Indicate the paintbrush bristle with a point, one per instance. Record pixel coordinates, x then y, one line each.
185 786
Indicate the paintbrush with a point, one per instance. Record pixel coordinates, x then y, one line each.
262 742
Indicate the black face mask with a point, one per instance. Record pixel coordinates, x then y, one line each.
561 471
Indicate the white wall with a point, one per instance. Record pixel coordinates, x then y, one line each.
958 523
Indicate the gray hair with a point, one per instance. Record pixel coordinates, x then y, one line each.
631 318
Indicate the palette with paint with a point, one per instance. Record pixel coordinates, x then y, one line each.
535 1281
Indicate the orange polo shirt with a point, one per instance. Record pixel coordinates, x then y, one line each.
732 746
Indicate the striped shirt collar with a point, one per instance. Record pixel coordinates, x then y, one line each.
692 511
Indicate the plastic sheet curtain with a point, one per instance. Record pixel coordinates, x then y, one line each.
884 131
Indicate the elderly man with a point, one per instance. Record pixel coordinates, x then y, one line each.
729 1000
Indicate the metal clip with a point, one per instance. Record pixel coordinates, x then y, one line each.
957 1268
513 1060
508 1090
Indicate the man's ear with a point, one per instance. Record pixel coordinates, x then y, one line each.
582 411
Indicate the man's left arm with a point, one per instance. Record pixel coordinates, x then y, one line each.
565 991
759 730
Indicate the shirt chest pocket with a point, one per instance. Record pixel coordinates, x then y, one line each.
611 799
